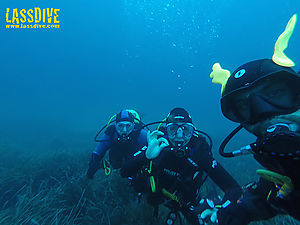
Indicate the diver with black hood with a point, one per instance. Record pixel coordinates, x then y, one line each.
264 97
175 162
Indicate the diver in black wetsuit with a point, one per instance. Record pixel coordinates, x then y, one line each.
175 160
264 97
121 139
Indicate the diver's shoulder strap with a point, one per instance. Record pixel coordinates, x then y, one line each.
110 130
138 127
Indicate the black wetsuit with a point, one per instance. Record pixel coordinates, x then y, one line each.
261 202
183 176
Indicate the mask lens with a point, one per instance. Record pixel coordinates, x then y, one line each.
173 128
124 128
188 130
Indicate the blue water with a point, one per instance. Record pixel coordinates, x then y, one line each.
150 55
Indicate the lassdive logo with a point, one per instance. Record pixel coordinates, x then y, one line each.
32 18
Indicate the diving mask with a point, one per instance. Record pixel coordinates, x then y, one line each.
124 128
180 130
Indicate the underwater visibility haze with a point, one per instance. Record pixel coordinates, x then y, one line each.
58 87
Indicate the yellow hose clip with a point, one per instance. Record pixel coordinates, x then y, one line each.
111 118
170 195
152 181
152 184
159 125
107 169
285 182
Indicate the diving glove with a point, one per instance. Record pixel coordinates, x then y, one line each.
209 210
212 213
156 143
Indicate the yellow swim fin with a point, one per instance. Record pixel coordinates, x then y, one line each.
282 43
219 75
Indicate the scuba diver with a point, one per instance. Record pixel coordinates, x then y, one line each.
121 139
174 163
264 97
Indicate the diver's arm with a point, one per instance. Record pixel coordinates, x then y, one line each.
222 178
231 188
97 155
103 146
216 172
252 206
233 214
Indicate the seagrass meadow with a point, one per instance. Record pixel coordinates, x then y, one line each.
60 84
50 189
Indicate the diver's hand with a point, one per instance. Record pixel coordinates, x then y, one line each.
212 213
155 144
